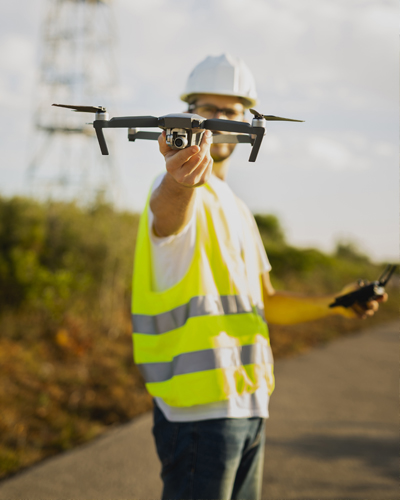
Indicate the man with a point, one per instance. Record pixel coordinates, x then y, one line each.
201 296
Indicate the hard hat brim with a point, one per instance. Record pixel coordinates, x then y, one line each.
247 101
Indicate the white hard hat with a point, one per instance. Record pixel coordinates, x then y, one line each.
222 75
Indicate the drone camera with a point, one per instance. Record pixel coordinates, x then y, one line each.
177 138
180 142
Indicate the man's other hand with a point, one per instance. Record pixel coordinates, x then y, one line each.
189 167
361 311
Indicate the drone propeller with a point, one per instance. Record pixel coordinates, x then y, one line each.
83 109
271 117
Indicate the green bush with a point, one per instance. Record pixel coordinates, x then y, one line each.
59 259
270 229
311 270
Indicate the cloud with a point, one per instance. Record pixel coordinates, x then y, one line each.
339 151
312 52
273 144
17 63
350 151
331 153
385 149
319 50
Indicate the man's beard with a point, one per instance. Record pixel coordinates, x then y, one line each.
220 152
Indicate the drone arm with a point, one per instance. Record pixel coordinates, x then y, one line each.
98 126
132 122
150 136
231 139
259 132
227 126
238 127
121 122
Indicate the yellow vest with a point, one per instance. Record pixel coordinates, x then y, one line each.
202 340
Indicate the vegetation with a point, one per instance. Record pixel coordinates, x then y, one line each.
310 270
65 346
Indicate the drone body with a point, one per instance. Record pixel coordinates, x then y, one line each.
182 129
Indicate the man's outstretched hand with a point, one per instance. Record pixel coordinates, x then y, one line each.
361 311
172 203
189 167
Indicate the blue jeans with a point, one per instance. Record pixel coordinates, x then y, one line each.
219 459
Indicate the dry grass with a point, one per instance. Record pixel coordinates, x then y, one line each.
58 394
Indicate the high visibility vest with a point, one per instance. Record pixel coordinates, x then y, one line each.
204 339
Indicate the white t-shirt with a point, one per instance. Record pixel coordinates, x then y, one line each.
171 257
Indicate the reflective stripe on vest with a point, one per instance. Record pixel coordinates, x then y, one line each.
204 305
209 359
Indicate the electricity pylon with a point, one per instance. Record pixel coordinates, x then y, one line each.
77 66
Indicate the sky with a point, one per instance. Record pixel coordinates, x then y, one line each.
333 64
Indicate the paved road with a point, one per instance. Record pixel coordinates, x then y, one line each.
333 434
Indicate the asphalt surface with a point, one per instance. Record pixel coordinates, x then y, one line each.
332 434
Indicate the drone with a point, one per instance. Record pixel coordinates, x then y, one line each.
182 129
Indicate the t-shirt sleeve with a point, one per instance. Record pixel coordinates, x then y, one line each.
171 255
264 263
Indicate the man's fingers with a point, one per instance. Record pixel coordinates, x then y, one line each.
162 144
198 158
196 162
207 137
373 305
177 160
384 298
202 157
365 310
207 172
189 161
188 166
191 177
202 175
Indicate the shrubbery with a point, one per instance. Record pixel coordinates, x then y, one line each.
310 270
59 260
